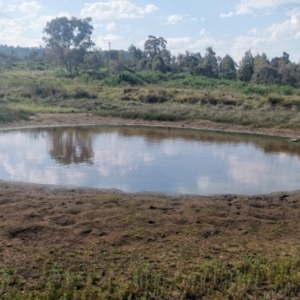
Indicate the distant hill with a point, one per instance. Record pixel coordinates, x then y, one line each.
21 52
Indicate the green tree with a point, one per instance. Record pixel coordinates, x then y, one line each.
246 67
154 46
209 65
188 62
7 61
227 68
143 64
135 55
116 66
264 73
94 59
287 71
69 39
158 64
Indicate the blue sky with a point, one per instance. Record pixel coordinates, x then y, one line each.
233 27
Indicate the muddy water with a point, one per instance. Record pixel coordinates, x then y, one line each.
135 159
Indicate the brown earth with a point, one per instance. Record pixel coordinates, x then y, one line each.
41 120
105 230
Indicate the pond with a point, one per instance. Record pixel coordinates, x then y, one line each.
137 159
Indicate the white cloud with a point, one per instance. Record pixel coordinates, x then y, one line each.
204 183
102 40
25 31
288 29
181 44
230 14
173 19
243 43
202 31
203 43
273 40
30 7
116 9
13 32
253 31
111 26
247 6
178 44
10 7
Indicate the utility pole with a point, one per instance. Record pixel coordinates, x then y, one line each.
109 57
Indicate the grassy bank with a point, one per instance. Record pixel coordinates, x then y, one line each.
149 96
246 278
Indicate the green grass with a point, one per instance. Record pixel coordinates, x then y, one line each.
248 278
237 115
8 114
149 96
35 109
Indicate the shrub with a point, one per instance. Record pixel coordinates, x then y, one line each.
154 97
112 80
130 78
274 99
79 93
287 90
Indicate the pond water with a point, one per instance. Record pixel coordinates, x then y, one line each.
136 159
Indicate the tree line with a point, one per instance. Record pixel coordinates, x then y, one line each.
69 45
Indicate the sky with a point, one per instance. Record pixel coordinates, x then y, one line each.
229 27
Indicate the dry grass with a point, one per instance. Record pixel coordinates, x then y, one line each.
88 244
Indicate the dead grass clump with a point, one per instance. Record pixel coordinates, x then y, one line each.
229 102
79 93
190 100
126 98
129 90
44 92
274 99
159 96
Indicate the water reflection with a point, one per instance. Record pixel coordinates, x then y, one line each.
70 146
151 159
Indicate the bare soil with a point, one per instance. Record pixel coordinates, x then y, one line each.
42 120
82 228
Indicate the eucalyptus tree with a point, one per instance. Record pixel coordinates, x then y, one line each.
158 64
209 64
287 70
227 68
69 39
7 61
135 55
189 62
94 59
246 67
154 46
264 73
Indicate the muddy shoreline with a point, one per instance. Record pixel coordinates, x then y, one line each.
84 119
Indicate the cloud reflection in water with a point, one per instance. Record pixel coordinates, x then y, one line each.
149 159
